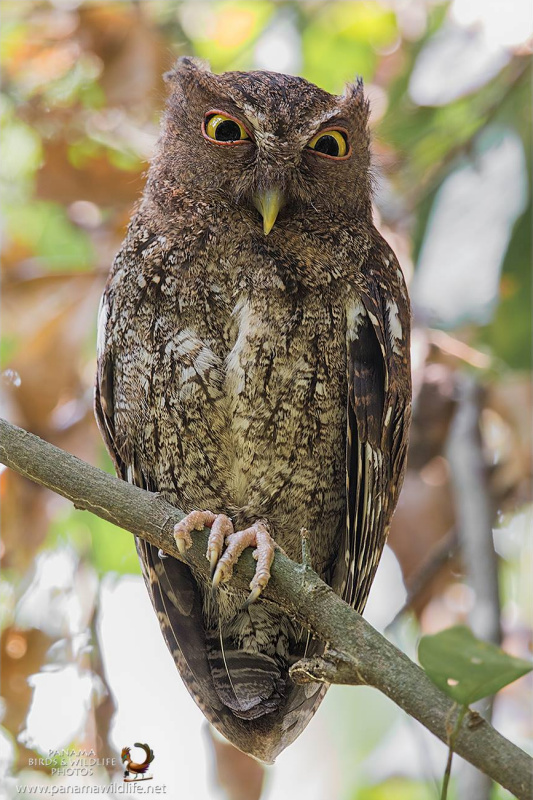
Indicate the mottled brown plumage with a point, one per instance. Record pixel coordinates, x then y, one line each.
265 377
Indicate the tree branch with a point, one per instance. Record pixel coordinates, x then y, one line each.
357 652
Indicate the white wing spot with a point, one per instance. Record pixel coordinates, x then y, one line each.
101 326
395 327
355 314
401 280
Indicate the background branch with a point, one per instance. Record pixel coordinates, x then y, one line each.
358 653
475 514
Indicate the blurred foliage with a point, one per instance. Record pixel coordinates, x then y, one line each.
398 788
466 668
108 547
81 96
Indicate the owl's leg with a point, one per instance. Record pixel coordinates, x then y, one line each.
221 527
257 536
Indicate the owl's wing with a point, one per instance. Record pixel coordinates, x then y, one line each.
172 588
378 417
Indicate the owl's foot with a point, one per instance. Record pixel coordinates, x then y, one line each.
195 521
221 527
256 536
222 533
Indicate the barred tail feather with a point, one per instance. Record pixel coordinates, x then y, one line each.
251 684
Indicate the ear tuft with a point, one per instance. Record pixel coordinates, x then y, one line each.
354 98
355 91
186 65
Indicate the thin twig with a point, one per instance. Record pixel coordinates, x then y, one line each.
451 745
440 554
294 588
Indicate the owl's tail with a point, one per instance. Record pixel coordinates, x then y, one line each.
250 684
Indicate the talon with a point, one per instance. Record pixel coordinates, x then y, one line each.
213 561
253 596
161 553
182 544
219 576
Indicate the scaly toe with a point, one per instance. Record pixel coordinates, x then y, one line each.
236 543
221 529
256 536
195 521
264 555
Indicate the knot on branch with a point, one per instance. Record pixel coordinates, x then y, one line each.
332 667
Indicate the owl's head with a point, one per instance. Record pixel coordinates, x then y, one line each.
273 144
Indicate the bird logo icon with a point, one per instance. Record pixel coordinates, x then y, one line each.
137 771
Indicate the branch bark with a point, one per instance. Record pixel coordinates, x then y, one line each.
357 652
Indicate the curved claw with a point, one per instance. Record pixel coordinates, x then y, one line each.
218 577
213 561
253 596
181 545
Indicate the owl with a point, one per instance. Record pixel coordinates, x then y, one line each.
253 368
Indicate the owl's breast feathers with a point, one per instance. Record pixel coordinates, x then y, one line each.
229 382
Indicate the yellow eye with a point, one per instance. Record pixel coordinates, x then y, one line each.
224 129
330 143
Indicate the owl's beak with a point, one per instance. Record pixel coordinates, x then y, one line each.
268 203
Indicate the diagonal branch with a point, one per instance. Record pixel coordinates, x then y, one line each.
357 652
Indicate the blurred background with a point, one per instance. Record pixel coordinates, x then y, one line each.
83 663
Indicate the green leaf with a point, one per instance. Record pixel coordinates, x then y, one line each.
466 668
